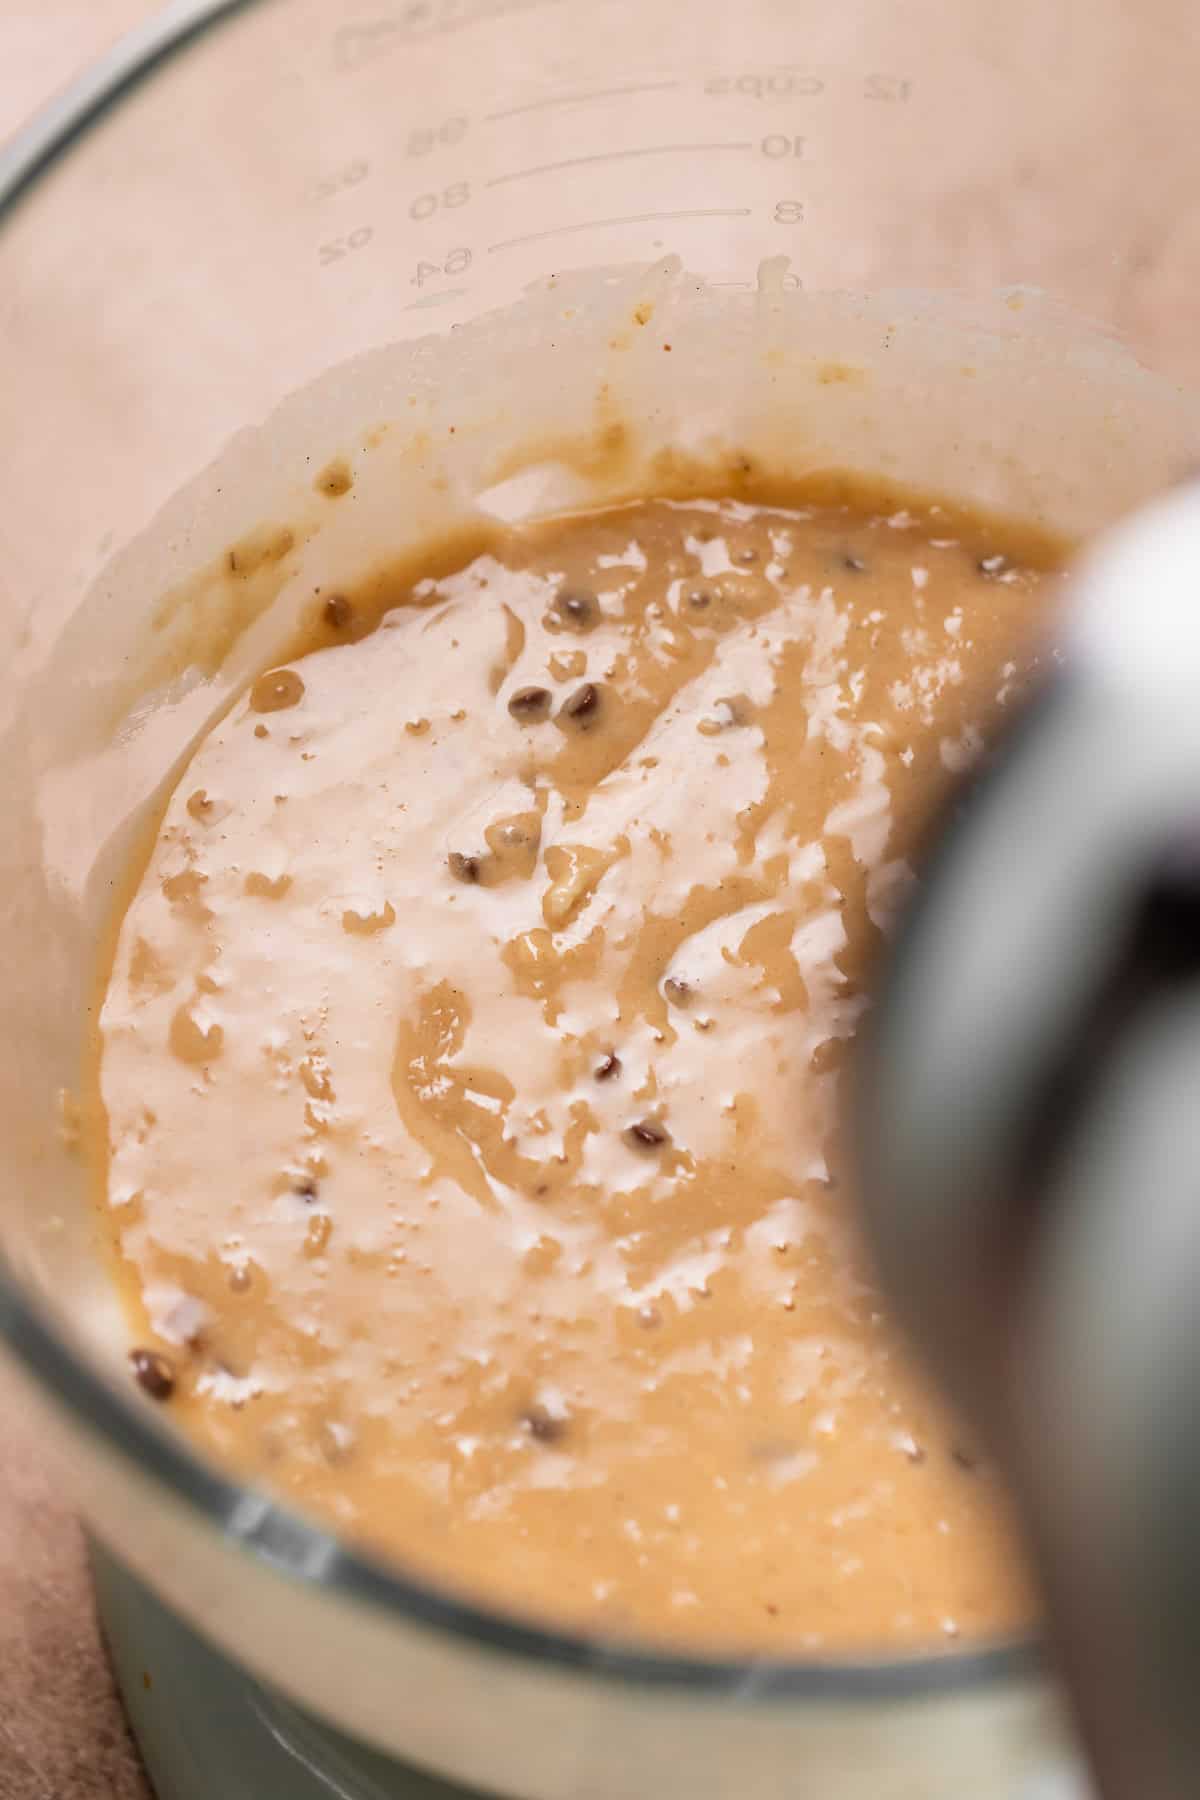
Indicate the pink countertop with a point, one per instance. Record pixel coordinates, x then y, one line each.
62 1733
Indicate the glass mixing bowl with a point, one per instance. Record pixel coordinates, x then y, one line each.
951 245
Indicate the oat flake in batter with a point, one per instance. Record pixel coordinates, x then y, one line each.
471 1062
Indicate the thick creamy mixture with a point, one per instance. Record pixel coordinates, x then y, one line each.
472 1058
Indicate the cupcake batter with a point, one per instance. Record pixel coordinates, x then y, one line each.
471 1062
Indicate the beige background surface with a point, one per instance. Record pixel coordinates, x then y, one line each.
62 1733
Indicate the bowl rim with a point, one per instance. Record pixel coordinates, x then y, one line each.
251 1521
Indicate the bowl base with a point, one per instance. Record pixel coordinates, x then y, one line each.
205 1727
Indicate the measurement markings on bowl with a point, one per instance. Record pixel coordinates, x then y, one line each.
793 81
770 84
610 156
450 261
422 141
456 263
336 249
654 218
354 47
570 100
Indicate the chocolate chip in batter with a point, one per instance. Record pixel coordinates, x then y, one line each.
335 480
994 566
544 1426
465 868
855 564
577 610
583 706
153 1373
608 1067
338 612
647 1134
678 992
276 691
699 599
306 1188
530 705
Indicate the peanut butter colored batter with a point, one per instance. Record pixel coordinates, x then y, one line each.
471 1062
